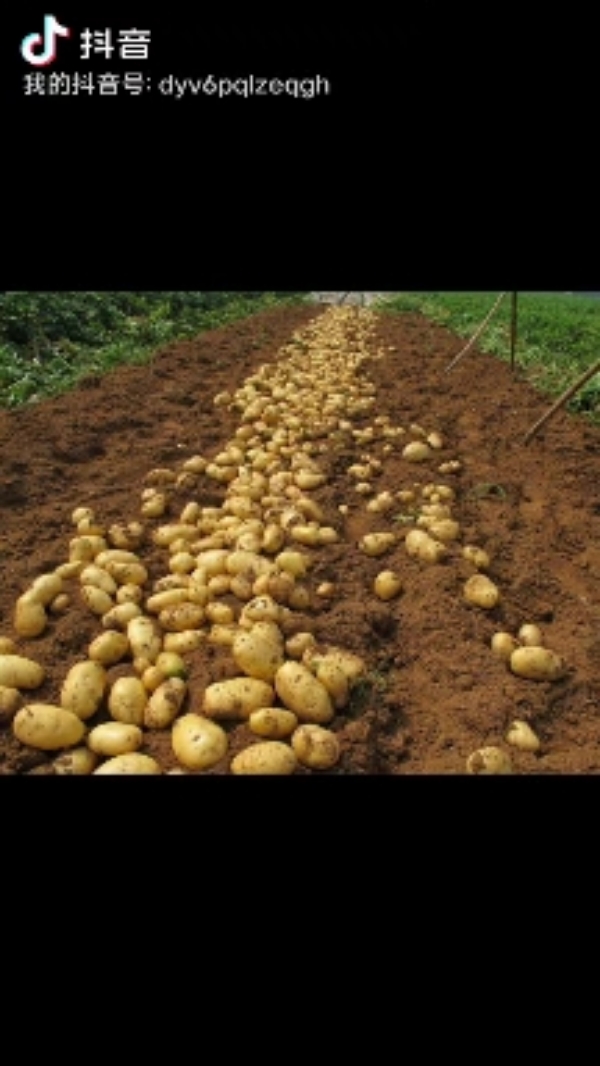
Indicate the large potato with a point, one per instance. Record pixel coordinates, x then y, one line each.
316 747
301 692
45 587
133 762
270 757
83 688
197 742
259 651
30 618
165 703
236 698
273 723
109 648
144 638
480 591
17 671
127 699
47 727
114 738
537 663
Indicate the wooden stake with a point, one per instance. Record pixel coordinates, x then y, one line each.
513 329
589 373
479 330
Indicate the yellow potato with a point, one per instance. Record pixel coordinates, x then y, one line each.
269 757
416 451
115 738
537 664
198 743
165 703
144 638
76 761
299 643
272 722
83 689
329 672
353 665
374 544
45 587
480 591
503 644
47 727
301 692
489 760
96 599
109 648
477 556
259 651
260 609
181 617
133 762
316 747
99 577
132 573
120 616
186 640
10 702
8 646
171 664
17 671
127 699
387 585
530 635
168 598
521 735
236 698
420 545
30 618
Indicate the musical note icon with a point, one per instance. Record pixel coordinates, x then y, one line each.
30 44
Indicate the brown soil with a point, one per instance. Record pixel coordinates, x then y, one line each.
432 692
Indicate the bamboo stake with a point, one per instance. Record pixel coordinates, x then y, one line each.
513 329
589 373
476 334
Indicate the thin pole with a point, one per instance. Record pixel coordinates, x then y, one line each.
589 373
513 329
479 330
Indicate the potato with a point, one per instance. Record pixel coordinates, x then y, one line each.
17 671
8 646
374 544
127 699
521 735
47 727
417 451
352 665
329 672
85 549
165 703
316 747
168 598
293 562
11 700
144 638
186 640
96 599
445 530
76 761
120 616
260 609
480 591
503 644
198 743
30 618
477 556
530 635
133 762
171 664
83 689
45 587
151 678
299 643
420 545
109 648
301 692
387 585
181 617
489 760
269 757
236 698
537 664
131 573
114 738
259 651
272 722
98 577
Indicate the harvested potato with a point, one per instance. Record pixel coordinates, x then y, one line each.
109 648
259 651
330 673
374 544
521 735
127 699
489 760
133 762
387 585
30 618
11 700
299 643
352 665
144 638
83 689
236 698
185 640
480 591
47 727
420 545
76 761
96 599
301 692
417 451
119 616
114 738
18 671
8 646
537 664
45 587
269 757
503 644
165 703
99 577
171 664
530 635
316 747
272 722
181 617
198 743
477 556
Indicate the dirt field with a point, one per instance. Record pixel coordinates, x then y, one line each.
432 692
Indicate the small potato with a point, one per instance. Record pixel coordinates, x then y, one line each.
76 761
30 618
109 648
480 591
85 549
260 609
236 698
445 530
530 635
98 577
47 727
374 544
144 638
17 671
489 760
130 763
417 451
186 640
537 664
299 643
127 573
172 597
420 545
272 722
8 646
127 699
352 665
301 692
316 747
387 585
165 703
171 664
45 587
293 562
329 672
83 689
118 617
521 735
11 700
503 644
181 617
198 743
151 678
96 599
269 757
115 738
259 651
477 556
